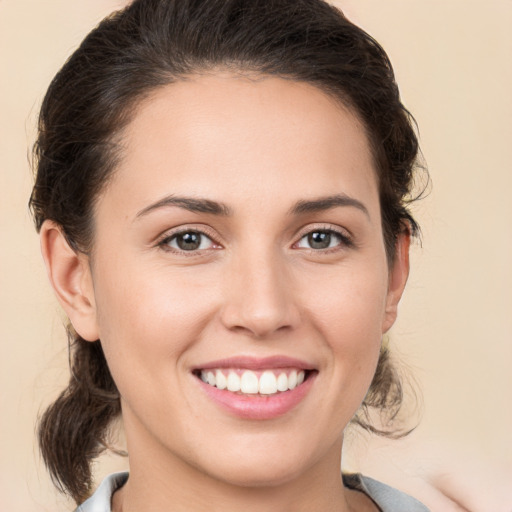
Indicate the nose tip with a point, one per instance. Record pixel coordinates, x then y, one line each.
258 323
260 302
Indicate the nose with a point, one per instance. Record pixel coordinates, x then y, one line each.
260 298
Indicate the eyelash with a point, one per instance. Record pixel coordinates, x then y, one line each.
167 238
345 240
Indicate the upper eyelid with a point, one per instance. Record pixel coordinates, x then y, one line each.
311 228
347 239
170 233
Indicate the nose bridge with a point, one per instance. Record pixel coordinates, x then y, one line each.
259 298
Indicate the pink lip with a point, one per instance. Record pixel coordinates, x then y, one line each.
258 407
257 363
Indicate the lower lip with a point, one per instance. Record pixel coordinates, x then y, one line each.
258 407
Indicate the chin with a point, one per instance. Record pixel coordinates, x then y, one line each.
269 474
258 466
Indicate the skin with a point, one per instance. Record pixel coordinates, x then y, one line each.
258 145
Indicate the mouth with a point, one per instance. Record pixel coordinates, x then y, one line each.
253 382
256 389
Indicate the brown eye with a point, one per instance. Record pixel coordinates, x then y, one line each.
189 241
323 239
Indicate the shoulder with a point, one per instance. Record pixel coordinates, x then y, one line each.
101 499
387 498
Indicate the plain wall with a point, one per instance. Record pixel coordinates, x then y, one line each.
453 63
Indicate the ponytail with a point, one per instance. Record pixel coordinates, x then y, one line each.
384 398
73 431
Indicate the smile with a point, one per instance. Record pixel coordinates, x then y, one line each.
248 382
256 388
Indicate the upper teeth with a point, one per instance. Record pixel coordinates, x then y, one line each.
248 381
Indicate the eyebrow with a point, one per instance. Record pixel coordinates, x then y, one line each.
202 205
326 203
192 204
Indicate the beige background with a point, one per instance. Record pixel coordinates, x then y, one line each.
453 62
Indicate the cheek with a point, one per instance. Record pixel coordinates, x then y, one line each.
348 308
147 316
351 303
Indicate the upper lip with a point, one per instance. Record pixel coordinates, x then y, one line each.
257 363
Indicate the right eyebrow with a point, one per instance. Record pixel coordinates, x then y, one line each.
326 203
193 204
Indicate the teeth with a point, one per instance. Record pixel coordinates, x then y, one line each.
292 380
268 383
210 378
221 380
233 382
282 382
248 382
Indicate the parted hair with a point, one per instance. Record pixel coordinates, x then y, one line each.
152 43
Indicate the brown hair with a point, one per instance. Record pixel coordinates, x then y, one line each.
152 43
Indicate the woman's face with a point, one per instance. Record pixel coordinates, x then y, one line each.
240 241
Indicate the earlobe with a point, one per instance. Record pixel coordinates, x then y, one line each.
398 274
70 276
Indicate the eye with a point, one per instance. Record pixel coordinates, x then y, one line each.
322 239
188 241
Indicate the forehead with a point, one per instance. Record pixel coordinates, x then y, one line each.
230 135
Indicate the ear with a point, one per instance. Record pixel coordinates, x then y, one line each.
70 276
398 274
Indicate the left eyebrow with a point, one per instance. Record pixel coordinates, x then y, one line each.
193 204
326 203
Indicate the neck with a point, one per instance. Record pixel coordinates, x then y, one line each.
161 481
165 495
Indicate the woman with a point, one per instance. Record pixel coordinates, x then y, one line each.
222 194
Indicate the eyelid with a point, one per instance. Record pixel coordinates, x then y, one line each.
194 228
345 235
